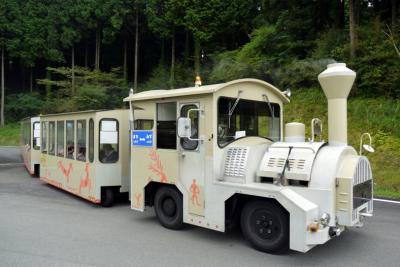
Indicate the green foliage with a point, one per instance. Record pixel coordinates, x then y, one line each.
22 105
378 116
94 89
9 134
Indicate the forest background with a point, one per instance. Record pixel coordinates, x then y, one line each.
68 55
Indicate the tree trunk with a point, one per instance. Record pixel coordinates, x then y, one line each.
197 56
73 70
2 120
30 79
340 21
135 74
97 57
353 28
172 78
86 54
125 67
394 13
187 51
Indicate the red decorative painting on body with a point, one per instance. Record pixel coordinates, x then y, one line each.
136 204
85 181
195 191
156 166
66 172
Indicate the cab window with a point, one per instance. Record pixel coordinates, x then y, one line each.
246 118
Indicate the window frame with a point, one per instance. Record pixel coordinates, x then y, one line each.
63 142
76 139
43 134
34 144
53 152
73 139
181 140
118 140
91 140
260 101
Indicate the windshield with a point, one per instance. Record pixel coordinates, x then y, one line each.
249 118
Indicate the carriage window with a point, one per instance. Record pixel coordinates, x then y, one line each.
36 135
52 137
143 124
247 118
108 143
194 117
166 125
81 140
70 139
60 138
91 140
43 137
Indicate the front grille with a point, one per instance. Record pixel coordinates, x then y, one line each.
236 160
362 184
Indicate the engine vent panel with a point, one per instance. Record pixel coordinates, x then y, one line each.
236 161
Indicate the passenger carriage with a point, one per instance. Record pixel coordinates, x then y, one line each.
87 154
30 144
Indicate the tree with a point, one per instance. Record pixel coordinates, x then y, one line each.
9 14
353 21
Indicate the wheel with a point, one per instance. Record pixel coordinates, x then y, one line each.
168 207
107 197
266 226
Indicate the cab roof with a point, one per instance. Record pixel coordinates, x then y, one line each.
205 89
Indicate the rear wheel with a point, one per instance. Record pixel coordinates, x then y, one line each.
168 207
107 197
266 226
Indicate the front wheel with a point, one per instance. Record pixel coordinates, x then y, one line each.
168 207
266 226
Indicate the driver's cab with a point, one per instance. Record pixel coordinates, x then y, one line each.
179 136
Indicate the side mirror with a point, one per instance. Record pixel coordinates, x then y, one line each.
184 127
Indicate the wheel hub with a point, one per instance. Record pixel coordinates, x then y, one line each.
265 224
169 207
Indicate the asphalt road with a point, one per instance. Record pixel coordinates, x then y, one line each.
43 226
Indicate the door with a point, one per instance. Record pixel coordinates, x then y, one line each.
192 159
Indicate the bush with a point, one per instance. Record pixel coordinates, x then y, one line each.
22 105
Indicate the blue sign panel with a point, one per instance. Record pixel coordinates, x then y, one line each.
142 138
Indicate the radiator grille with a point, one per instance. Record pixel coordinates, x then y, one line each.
363 172
236 160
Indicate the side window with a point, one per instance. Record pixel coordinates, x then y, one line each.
60 138
91 140
43 137
194 117
81 140
108 141
52 137
36 135
70 129
143 124
166 125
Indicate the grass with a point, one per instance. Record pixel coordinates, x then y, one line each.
378 116
9 134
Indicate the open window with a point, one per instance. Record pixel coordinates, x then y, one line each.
108 141
81 140
43 137
52 138
70 129
60 138
166 125
36 135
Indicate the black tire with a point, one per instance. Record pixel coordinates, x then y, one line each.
266 226
107 197
168 207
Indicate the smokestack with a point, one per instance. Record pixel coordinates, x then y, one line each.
336 81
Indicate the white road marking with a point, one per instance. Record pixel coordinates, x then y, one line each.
386 200
11 164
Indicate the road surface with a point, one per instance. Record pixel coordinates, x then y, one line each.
43 226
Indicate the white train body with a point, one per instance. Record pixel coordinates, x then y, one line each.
322 187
